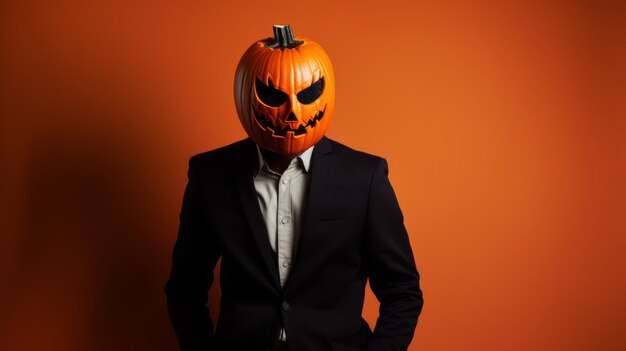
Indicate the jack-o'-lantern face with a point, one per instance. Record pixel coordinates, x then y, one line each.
285 92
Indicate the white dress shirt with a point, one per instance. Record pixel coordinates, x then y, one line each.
282 198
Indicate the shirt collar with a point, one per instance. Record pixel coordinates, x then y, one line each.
305 158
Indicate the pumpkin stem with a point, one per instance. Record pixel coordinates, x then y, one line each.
283 38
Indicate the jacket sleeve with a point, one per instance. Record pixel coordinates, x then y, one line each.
390 266
194 257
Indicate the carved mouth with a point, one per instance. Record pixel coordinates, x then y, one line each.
266 123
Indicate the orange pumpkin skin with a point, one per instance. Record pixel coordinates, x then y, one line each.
293 126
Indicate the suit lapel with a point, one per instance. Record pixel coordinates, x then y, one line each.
322 165
321 172
252 210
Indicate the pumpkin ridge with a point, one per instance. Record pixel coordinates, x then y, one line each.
293 86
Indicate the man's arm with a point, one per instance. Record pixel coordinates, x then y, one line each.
390 265
193 259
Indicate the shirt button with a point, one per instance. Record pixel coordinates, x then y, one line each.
286 306
284 220
285 263
285 180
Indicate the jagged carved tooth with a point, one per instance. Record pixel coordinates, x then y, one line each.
300 130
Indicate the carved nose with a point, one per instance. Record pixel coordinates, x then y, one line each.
292 117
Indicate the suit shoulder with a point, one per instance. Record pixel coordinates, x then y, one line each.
220 157
349 154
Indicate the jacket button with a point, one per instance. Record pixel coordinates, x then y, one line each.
286 306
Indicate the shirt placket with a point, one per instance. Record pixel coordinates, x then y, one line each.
285 225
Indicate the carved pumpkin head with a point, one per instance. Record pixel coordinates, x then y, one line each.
285 92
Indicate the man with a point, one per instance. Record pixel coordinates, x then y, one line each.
300 222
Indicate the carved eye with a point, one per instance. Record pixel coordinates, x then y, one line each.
270 95
311 93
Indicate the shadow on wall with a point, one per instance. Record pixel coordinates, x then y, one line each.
91 265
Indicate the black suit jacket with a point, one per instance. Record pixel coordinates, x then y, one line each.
353 230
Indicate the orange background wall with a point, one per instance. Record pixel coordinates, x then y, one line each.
503 123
